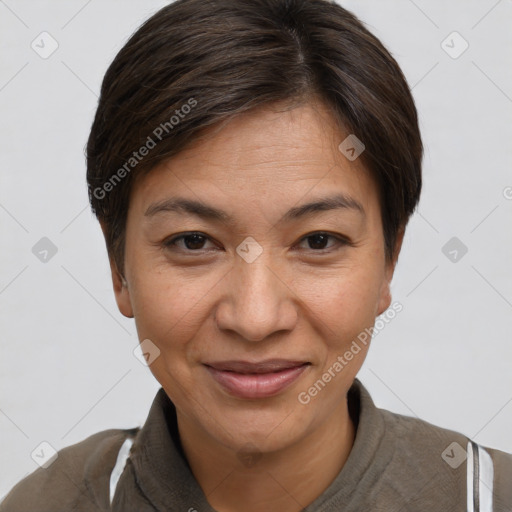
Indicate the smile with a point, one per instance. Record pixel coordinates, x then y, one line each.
256 380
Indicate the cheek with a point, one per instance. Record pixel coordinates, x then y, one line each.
170 307
170 312
342 305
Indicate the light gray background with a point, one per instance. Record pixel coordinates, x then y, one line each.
66 366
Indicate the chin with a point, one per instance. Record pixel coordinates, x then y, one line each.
266 431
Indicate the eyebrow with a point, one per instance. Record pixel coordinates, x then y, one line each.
199 209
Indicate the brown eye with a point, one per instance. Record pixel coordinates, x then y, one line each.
190 242
318 242
194 241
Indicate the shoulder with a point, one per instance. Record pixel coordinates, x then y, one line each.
454 456
422 434
501 478
77 478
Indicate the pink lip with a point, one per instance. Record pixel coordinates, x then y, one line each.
256 380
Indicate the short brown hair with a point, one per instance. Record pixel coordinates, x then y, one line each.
195 63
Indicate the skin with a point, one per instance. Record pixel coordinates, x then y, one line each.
299 300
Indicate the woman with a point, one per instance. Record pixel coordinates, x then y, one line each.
253 165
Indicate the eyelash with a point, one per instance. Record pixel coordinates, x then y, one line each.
341 241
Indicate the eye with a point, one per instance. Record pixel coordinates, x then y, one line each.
195 242
318 241
191 242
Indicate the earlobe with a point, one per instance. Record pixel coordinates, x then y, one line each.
385 299
121 292
119 283
385 295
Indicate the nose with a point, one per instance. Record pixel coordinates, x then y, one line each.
257 301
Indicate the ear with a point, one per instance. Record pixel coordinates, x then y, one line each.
120 285
121 291
385 292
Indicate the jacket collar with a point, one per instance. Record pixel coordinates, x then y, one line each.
165 477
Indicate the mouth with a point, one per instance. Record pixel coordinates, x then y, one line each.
261 379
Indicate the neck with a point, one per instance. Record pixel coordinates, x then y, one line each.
286 480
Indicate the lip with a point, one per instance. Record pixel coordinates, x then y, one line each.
261 379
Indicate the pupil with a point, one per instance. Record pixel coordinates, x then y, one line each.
321 238
197 241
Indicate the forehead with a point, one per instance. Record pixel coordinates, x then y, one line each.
263 156
276 135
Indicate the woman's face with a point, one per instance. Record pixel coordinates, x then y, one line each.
256 306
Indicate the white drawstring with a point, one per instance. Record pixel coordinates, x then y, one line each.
122 457
480 479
